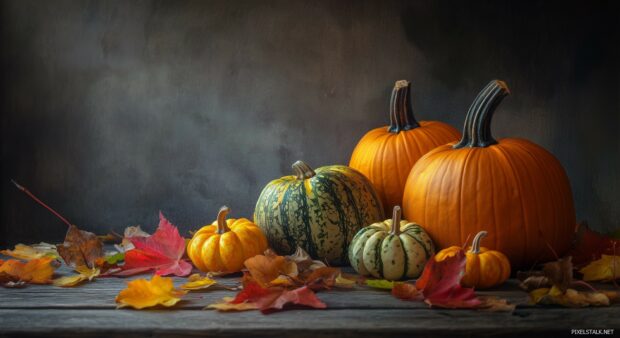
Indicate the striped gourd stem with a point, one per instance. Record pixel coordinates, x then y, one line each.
477 127
302 170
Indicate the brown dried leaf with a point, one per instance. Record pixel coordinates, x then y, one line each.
267 268
568 298
304 261
406 291
322 278
81 248
535 282
560 272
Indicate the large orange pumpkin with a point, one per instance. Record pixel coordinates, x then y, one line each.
513 187
385 155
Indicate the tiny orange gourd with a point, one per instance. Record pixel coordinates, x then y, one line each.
224 245
484 268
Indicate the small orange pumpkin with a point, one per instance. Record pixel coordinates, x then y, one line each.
484 268
226 244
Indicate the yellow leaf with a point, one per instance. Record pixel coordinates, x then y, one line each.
605 269
35 271
226 305
197 282
380 284
538 294
282 280
569 298
142 293
84 274
30 252
342 282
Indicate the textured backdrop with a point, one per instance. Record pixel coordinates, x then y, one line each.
114 110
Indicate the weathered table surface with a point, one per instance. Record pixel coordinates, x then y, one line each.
89 310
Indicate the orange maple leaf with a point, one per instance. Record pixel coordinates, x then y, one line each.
267 268
35 271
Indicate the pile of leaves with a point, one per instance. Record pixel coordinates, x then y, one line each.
271 282
555 284
440 286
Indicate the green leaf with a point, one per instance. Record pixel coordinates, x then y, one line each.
380 284
117 257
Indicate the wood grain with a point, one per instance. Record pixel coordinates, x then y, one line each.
89 311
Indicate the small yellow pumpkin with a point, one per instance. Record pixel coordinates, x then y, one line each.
226 244
484 268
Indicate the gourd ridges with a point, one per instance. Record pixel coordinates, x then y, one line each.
334 188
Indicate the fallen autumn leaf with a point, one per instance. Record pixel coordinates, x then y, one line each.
142 293
162 252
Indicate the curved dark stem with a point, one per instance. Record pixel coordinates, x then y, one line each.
401 113
477 128
302 170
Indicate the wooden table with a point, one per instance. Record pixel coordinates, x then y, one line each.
89 311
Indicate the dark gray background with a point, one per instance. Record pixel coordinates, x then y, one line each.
114 110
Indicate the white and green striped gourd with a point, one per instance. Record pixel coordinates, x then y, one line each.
393 249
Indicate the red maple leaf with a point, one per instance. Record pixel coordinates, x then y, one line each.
589 245
441 283
161 252
275 298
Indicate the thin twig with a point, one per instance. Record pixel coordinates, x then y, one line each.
20 187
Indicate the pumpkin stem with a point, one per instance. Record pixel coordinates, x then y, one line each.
396 214
302 170
477 128
222 227
401 113
475 245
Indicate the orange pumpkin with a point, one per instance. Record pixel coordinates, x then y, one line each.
385 155
226 244
512 184
484 268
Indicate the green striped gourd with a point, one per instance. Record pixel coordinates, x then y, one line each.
318 210
392 249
